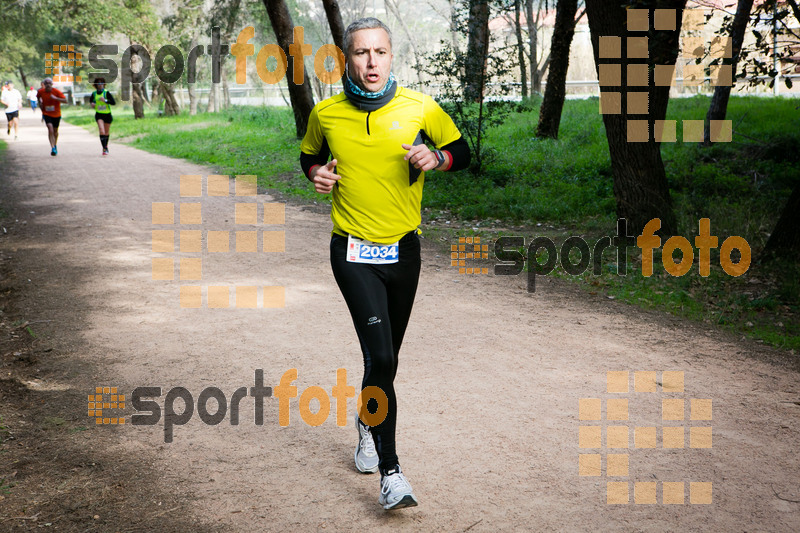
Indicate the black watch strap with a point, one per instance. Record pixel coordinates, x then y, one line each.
439 157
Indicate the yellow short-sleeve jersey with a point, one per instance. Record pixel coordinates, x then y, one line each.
375 199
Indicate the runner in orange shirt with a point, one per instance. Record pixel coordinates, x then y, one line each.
50 100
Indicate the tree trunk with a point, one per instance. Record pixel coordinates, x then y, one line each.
719 102
155 100
523 72
145 94
533 55
137 100
24 79
166 92
553 103
190 86
299 94
477 49
232 15
640 182
192 99
318 88
335 22
226 93
543 65
784 241
212 98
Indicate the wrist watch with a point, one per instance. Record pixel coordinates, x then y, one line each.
439 158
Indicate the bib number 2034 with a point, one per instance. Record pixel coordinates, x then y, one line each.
361 251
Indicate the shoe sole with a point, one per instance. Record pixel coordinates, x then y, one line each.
406 501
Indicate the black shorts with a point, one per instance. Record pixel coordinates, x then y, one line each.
11 116
55 121
105 117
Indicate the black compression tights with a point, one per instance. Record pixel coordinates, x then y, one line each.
380 298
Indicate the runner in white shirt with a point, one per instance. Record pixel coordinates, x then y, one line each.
32 99
13 101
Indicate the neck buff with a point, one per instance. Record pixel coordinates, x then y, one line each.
367 101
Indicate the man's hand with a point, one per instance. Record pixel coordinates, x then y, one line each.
422 157
323 177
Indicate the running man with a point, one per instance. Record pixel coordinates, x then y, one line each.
102 100
375 132
50 99
32 99
13 102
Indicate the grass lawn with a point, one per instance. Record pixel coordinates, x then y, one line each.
251 140
561 188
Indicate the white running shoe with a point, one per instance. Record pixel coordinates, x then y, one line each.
366 456
396 491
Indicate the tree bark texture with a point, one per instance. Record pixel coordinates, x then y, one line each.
533 57
192 99
300 95
24 79
137 100
640 182
190 86
171 106
553 102
226 93
212 98
523 72
477 49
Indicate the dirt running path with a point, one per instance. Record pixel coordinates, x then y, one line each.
489 383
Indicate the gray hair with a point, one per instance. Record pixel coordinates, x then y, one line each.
367 23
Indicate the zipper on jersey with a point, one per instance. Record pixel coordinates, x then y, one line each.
368 113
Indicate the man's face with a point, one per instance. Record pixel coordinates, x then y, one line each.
48 85
370 59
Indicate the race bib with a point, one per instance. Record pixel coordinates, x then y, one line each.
50 108
361 251
101 107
